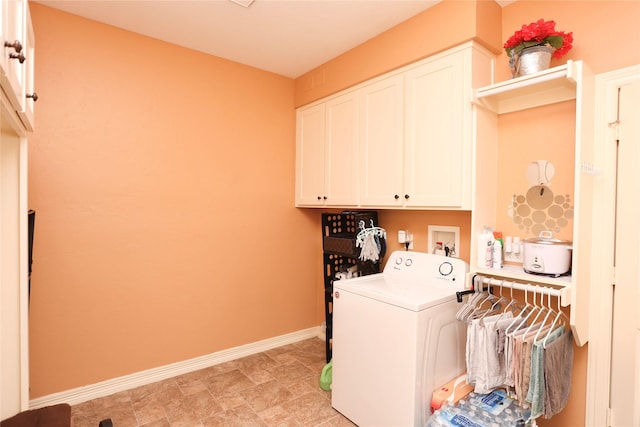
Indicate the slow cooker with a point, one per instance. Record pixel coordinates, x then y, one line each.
546 255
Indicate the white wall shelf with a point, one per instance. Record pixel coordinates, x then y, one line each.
572 81
550 86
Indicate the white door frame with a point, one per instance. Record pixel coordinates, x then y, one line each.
601 292
14 275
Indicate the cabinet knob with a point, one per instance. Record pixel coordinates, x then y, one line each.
319 198
19 56
325 197
396 197
16 45
406 196
33 96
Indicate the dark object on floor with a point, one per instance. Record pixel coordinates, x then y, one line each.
106 423
49 416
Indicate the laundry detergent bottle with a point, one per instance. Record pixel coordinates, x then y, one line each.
485 248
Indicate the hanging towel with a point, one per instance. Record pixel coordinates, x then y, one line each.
492 373
524 370
509 358
536 385
472 350
558 362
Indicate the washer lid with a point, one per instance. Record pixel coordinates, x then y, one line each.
410 294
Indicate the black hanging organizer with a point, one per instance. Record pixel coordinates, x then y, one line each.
339 232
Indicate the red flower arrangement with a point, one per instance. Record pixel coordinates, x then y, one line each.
540 33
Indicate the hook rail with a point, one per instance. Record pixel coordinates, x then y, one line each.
491 282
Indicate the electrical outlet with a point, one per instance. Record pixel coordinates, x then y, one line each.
405 238
513 256
512 250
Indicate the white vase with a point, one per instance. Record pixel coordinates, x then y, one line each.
532 60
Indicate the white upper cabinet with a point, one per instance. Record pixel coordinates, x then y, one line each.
13 52
382 142
326 153
28 87
341 151
310 128
17 59
437 145
413 137
417 138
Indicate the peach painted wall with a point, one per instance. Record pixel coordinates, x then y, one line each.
417 222
444 25
119 177
163 181
602 32
522 141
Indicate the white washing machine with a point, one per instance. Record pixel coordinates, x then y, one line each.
396 338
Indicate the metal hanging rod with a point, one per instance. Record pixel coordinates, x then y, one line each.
563 293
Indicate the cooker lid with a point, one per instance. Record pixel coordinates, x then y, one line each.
546 238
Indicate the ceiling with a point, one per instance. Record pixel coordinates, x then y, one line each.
286 37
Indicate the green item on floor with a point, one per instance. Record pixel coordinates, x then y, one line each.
325 376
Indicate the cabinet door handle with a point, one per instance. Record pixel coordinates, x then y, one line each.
406 196
33 96
319 198
19 56
16 45
396 197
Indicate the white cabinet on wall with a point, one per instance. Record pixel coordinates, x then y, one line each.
28 95
413 138
17 59
436 116
326 153
438 142
381 148
415 150
310 130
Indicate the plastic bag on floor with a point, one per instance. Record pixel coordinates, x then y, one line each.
325 376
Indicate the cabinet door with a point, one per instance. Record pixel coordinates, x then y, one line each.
341 151
310 137
13 31
381 133
435 123
27 93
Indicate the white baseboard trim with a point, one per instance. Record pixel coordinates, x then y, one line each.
115 385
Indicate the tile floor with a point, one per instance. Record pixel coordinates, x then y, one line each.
278 387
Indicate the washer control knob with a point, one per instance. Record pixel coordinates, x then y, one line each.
398 260
408 262
446 268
